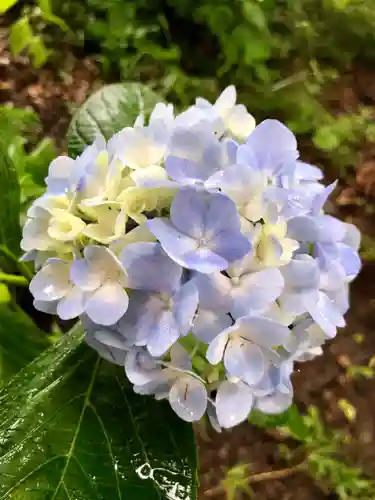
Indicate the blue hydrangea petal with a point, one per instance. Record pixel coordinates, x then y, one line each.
256 291
174 243
230 245
273 145
204 260
185 171
188 398
325 313
111 354
107 304
140 368
350 261
200 214
208 325
72 305
164 334
111 338
149 267
185 303
301 272
233 403
303 228
214 291
264 332
322 197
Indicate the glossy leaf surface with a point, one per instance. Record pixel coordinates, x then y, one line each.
71 428
107 111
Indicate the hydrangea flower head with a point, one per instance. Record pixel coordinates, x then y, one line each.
195 250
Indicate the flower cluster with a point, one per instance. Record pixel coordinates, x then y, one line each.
196 252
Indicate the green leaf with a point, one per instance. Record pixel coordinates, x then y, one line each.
20 341
20 36
291 419
47 14
6 5
326 139
107 111
268 421
38 160
10 231
38 52
72 428
296 423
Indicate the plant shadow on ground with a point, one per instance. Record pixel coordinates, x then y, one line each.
322 382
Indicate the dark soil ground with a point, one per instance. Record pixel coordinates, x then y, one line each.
321 382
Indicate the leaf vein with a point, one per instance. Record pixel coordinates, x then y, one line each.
101 423
134 423
78 428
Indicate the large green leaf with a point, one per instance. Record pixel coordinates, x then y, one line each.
107 111
10 231
72 428
20 342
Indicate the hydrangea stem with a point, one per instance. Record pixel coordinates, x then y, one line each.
13 279
257 478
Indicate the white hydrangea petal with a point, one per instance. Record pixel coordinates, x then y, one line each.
35 235
215 351
85 276
179 357
212 416
275 403
103 258
226 100
107 304
52 281
64 226
59 172
188 398
239 122
46 306
233 403
245 360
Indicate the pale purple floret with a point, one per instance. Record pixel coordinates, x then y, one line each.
203 233
156 320
274 394
241 293
247 347
269 148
